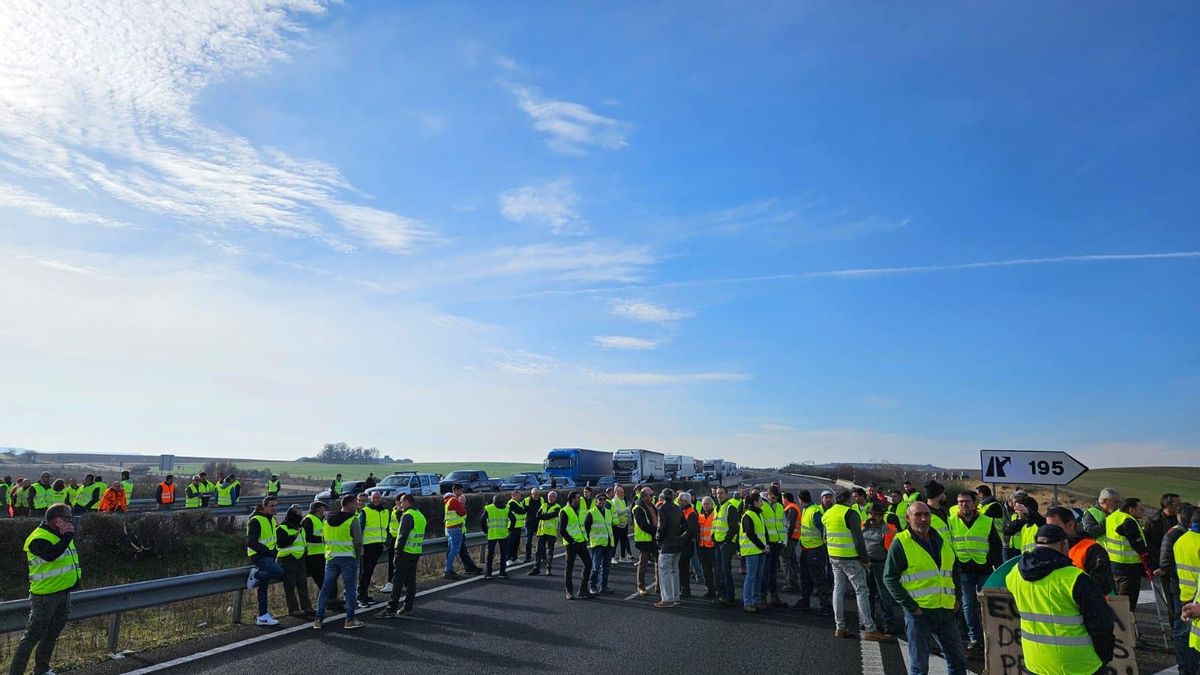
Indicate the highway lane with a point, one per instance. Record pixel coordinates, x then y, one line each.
526 623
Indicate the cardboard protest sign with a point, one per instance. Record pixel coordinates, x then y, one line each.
1002 635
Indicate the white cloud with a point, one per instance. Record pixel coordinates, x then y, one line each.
98 97
521 362
588 261
15 197
553 204
625 342
664 378
570 128
647 312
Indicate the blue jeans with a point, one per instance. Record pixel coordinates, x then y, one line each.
1188 658
918 630
756 565
267 570
347 569
725 551
455 547
971 585
601 559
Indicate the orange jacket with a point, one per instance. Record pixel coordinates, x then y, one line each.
113 501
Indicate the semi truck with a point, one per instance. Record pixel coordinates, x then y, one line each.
634 465
581 465
680 467
714 469
699 468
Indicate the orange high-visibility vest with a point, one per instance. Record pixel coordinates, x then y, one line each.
1080 550
706 540
795 530
168 493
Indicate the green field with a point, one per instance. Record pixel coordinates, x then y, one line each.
1148 483
319 471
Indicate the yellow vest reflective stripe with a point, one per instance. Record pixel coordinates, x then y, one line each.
638 533
575 533
339 539
747 546
1053 637
1194 636
772 516
296 549
375 524
549 526
601 532
930 584
59 497
837 534
1118 547
1187 564
225 495
272 487
518 517
810 534
940 526
497 522
317 545
266 532
620 511
452 518
970 544
41 496
720 525
416 537
51 576
1027 538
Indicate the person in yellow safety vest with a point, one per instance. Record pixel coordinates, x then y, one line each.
547 529
58 492
343 547
289 540
919 574
725 528
1022 531
53 573
87 496
72 490
773 520
6 487
939 517
273 486
127 485
896 509
1179 569
598 523
1191 614
261 548
516 506
314 542
910 494
848 560
575 538
1066 624
207 488
1086 553
977 548
1092 524
410 537
532 503
335 487
225 494
752 545
622 515
374 517
1126 545
19 498
814 557
858 502
40 495
645 524
496 522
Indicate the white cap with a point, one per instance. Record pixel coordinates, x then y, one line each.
826 492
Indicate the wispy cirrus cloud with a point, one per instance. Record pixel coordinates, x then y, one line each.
18 198
625 342
553 204
653 378
570 128
98 98
648 312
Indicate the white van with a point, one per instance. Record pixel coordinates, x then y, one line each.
416 484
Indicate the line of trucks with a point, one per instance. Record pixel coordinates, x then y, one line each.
632 465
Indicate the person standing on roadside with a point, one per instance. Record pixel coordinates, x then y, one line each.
164 493
409 540
1085 552
570 528
705 546
497 522
773 519
516 510
533 505
6 487
878 535
690 523
335 488
669 537
289 538
273 486
621 517
374 518
752 541
791 538
547 529
848 558
645 524
314 543
113 500
343 548
261 548
455 513
53 573
598 525
978 552
726 531
39 495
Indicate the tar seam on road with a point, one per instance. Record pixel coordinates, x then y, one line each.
296 629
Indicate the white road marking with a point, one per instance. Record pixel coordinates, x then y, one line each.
872 658
651 587
937 664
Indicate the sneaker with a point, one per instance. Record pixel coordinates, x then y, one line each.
533 572
876 636
318 624
363 604
354 623
642 591
405 613
451 575
386 613
841 633
570 595
386 588
616 561
251 582
664 604
267 620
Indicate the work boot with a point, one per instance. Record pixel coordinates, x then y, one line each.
841 633
876 636
386 613
451 575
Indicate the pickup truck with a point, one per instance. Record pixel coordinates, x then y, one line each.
471 480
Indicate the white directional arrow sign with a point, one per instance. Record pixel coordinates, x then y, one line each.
1029 467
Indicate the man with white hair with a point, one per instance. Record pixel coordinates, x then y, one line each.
1094 516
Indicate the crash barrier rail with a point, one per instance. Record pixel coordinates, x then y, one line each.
243 507
114 600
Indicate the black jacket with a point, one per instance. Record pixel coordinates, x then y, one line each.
1133 534
1157 527
531 513
253 530
406 527
1098 618
670 528
1096 565
1166 561
691 530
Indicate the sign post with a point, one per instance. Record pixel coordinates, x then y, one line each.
1029 467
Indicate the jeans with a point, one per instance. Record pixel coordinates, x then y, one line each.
47 618
578 551
850 571
530 537
668 576
725 551
755 564
694 562
404 581
455 547
345 567
771 582
880 594
545 552
601 560
492 546
944 629
295 585
971 585
267 571
816 562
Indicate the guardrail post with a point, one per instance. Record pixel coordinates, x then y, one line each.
114 632
237 606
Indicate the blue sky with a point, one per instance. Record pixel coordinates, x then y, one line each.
797 231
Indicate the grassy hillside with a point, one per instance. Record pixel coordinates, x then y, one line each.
320 471
1148 482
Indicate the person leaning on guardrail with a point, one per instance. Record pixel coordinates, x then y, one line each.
289 538
343 548
409 539
193 494
261 547
53 573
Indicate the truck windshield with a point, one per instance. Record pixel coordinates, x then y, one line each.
558 463
460 475
625 465
672 466
396 480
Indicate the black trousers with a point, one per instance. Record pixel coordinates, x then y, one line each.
622 548
390 556
513 544
580 551
530 537
405 579
545 552
370 558
47 618
707 560
495 545
685 568
314 565
295 584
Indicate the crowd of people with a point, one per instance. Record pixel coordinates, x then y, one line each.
912 565
22 497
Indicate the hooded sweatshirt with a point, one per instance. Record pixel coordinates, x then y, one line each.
1098 618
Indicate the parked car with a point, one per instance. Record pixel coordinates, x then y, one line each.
606 482
472 480
416 484
558 483
350 487
521 481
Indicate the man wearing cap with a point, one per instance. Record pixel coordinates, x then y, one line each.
1085 552
878 535
1066 625
935 499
